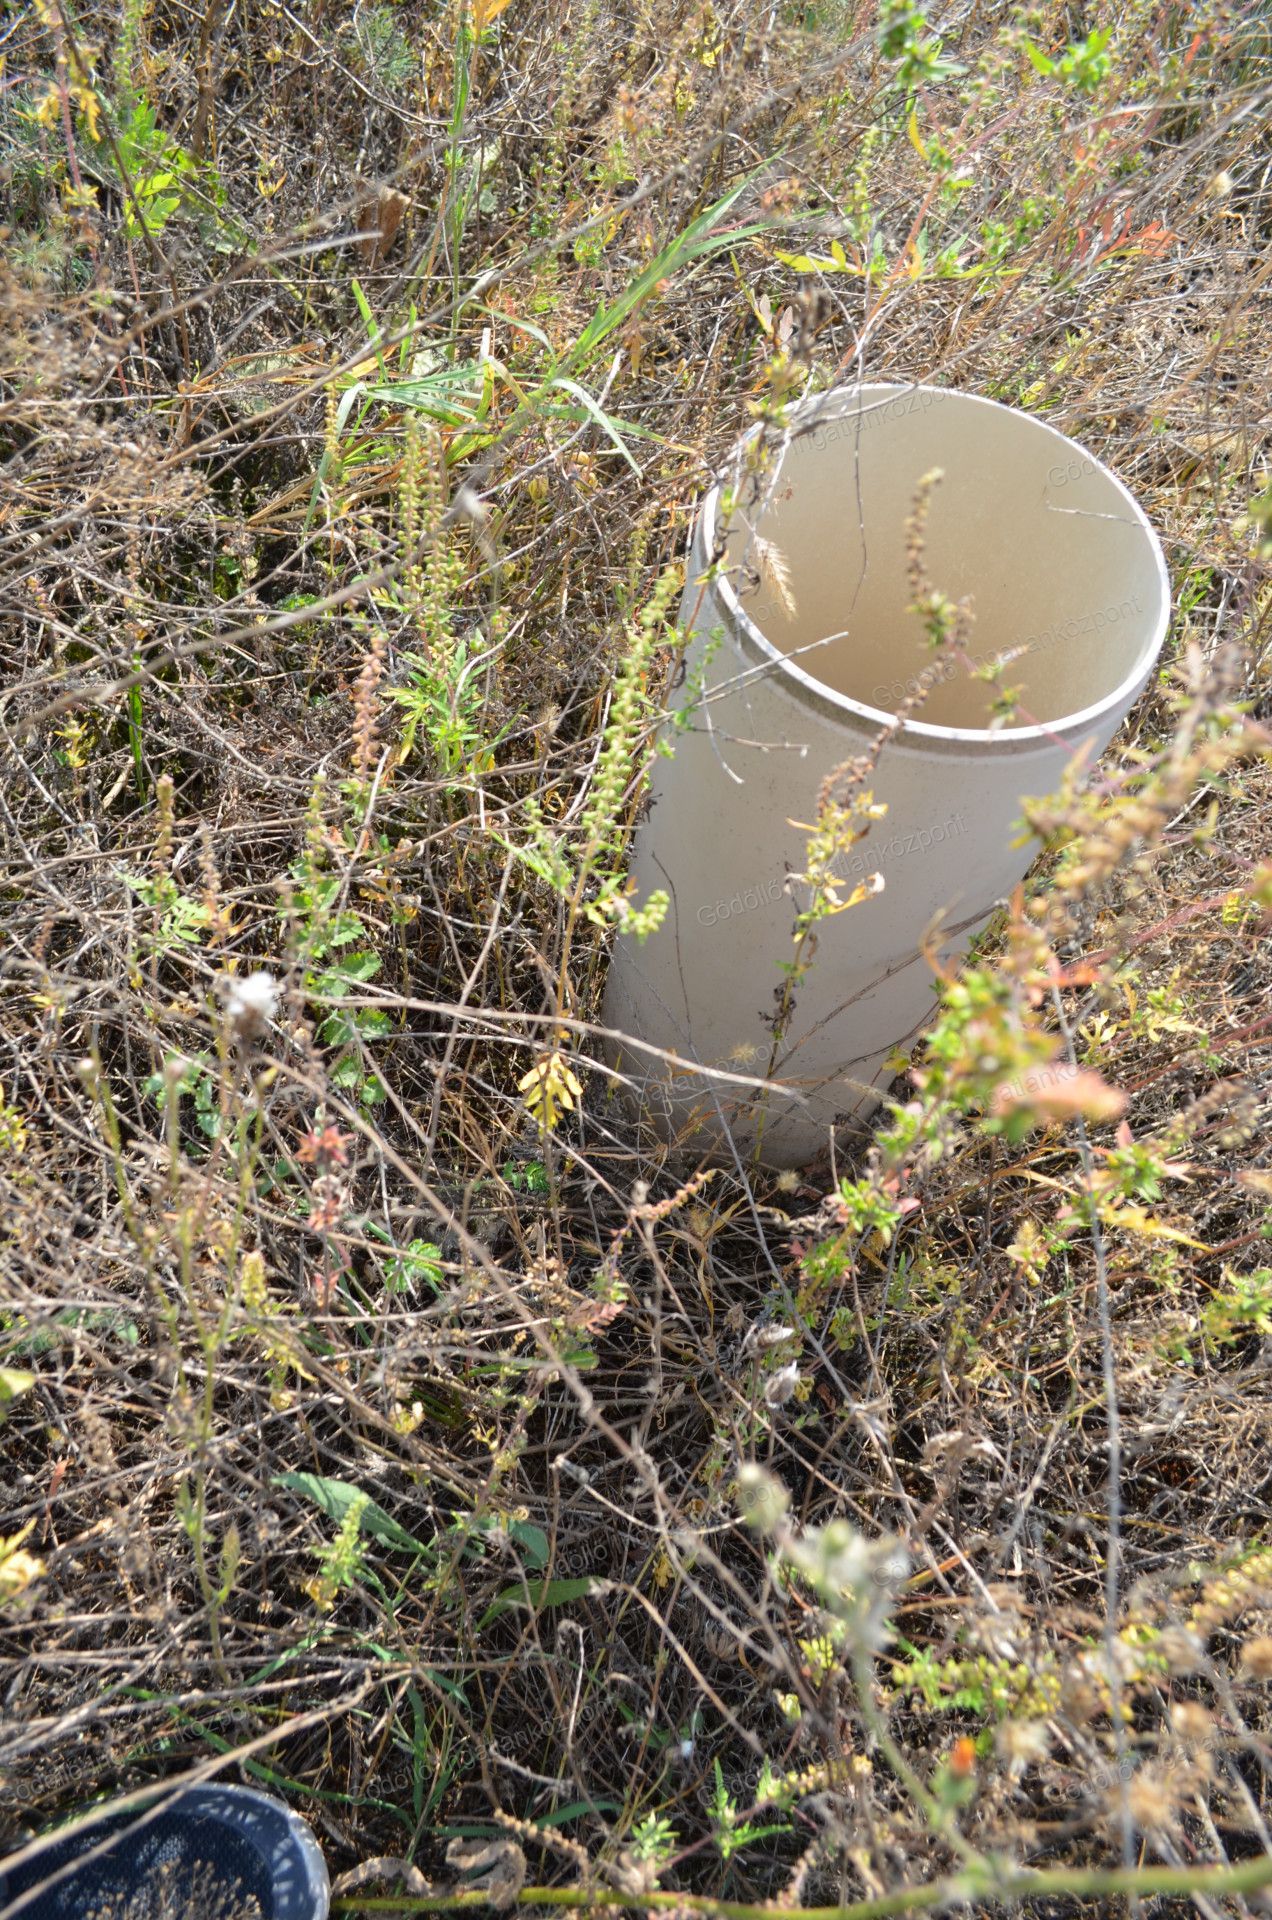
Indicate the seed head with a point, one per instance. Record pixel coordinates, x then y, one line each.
1256 1657
251 1002
1181 1649
762 1498
1022 1743
1153 1800
780 1386
1191 1722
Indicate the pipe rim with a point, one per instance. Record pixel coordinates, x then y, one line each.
1072 728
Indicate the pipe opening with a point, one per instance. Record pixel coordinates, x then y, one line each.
1053 553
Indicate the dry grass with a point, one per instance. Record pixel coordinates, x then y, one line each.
212 581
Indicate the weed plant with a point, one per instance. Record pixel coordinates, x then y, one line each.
385 1420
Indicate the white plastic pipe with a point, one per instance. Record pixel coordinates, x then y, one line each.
1057 559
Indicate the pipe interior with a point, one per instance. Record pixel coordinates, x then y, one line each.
1042 542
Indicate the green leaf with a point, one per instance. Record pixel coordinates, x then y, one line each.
15 1381
533 1542
541 1593
833 262
369 322
438 391
354 966
335 1497
418 1260
361 966
562 1816
344 926
608 427
1039 59
355 393
698 241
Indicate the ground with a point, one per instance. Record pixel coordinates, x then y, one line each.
388 1419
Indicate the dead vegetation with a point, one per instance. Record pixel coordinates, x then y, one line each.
378 1401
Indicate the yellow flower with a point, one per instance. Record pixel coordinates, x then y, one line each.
550 1088
90 109
17 1568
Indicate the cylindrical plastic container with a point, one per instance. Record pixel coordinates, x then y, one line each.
212 1853
1057 560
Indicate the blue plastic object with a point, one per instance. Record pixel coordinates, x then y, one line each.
209 1853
